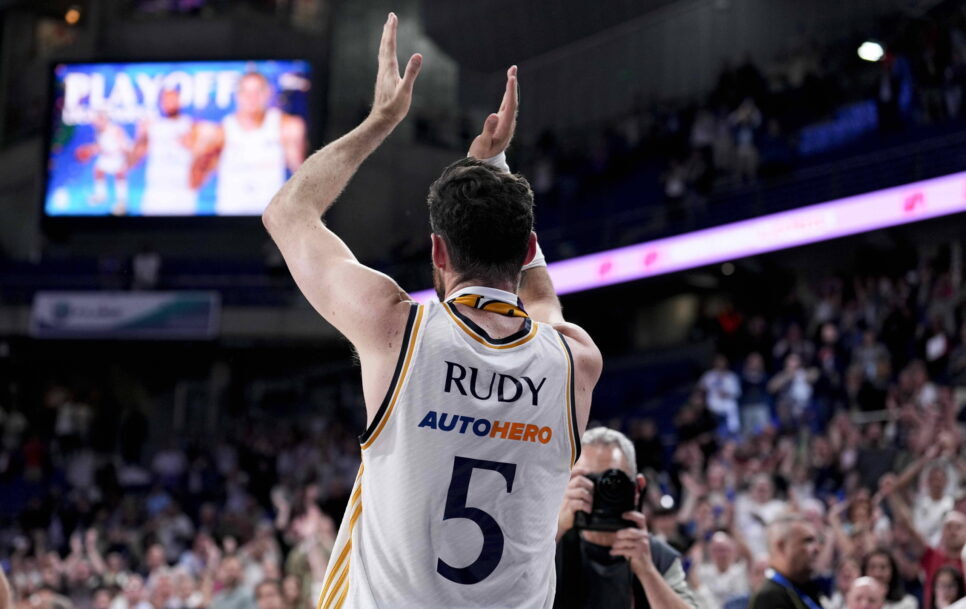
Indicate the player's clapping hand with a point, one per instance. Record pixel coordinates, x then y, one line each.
579 497
498 128
634 543
393 93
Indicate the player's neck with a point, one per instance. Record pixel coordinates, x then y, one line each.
497 326
461 285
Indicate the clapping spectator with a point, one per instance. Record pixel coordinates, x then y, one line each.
792 390
722 390
720 570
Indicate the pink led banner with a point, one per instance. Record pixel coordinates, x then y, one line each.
852 215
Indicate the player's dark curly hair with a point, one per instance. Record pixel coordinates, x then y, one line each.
485 217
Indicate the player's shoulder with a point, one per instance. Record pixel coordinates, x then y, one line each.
586 355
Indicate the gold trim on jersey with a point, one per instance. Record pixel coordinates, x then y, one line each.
333 594
483 341
413 335
496 306
570 401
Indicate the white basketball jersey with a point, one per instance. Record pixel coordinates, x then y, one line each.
167 190
463 472
112 146
251 168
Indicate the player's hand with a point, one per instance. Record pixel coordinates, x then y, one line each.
634 543
498 128
579 496
393 94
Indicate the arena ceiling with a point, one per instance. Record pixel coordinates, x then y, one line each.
488 35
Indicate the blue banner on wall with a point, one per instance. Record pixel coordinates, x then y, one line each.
125 315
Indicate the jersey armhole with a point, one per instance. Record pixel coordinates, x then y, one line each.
574 434
398 376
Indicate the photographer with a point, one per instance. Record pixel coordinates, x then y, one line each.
623 566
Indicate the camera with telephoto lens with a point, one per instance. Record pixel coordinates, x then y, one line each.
613 495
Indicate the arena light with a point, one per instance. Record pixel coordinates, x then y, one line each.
839 218
73 15
871 51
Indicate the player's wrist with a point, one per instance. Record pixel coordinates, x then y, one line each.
497 161
539 260
379 121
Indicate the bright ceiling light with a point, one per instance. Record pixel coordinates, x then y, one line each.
871 51
73 15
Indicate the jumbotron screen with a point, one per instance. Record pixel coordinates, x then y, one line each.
190 138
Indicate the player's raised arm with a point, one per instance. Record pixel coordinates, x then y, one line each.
536 288
367 307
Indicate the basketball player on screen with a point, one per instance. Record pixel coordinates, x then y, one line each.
251 149
112 147
475 403
168 142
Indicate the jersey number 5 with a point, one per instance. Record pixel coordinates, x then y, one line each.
456 507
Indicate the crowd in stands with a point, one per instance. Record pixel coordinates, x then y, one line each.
847 407
750 125
844 404
90 519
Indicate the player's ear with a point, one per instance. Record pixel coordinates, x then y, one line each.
440 255
531 248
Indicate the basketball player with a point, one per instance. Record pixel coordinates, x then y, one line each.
111 146
475 404
252 150
168 141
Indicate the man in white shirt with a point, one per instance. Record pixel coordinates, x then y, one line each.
723 389
724 576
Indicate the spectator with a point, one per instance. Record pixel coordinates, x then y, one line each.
745 121
875 458
933 502
645 572
947 587
134 596
931 558
792 551
866 593
723 575
845 576
755 510
755 402
291 592
792 388
880 565
268 595
232 594
722 390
